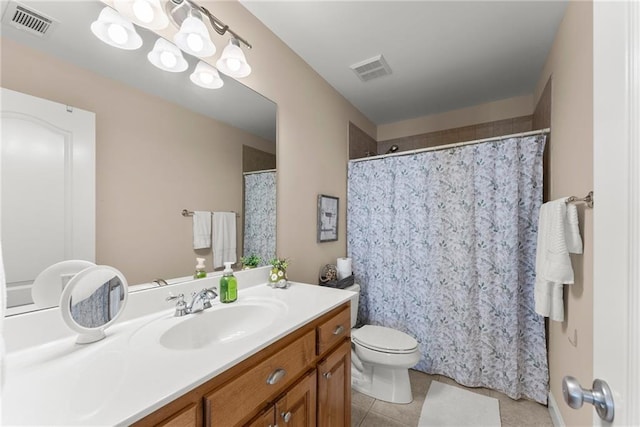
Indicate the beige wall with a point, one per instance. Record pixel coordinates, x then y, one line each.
570 64
312 147
149 165
472 132
482 113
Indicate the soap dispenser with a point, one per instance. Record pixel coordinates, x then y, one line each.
228 285
200 272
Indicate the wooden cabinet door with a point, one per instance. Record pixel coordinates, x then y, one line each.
298 407
334 388
266 419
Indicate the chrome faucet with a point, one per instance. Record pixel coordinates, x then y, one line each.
200 301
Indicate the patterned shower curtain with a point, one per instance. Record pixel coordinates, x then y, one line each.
443 244
260 215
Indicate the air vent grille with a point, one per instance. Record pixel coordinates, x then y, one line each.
27 19
371 68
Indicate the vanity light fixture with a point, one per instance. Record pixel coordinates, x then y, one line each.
113 29
206 76
194 39
232 61
116 29
146 13
166 56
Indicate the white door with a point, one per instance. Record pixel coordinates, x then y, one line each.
47 187
616 311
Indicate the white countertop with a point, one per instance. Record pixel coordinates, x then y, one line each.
128 375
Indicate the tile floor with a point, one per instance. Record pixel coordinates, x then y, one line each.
369 412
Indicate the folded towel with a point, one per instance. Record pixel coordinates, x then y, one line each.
201 229
224 238
571 230
558 234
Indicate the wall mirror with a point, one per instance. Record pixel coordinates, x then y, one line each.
163 144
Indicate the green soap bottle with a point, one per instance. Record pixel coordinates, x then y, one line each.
200 271
228 285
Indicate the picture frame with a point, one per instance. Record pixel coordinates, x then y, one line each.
327 218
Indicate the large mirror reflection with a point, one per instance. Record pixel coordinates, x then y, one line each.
162 144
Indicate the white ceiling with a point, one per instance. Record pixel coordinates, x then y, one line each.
444 55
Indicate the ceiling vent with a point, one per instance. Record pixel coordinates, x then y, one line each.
28 19
371 68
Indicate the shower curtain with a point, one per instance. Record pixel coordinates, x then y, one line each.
443 244
260 215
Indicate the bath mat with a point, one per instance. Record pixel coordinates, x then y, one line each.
449 406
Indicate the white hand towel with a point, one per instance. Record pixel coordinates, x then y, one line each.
558 234
224 238
201 229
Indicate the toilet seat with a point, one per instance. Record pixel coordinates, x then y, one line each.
382 339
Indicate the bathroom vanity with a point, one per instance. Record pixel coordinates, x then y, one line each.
306 374
276 356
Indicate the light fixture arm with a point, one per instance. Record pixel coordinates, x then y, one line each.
219 26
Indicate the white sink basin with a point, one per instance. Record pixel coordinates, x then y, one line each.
221 324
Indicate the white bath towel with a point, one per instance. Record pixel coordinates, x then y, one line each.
201 229
224 238
558 234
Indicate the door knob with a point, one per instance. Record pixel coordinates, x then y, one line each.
600 396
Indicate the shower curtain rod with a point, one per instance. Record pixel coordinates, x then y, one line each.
457 144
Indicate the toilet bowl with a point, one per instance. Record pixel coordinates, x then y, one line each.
380 359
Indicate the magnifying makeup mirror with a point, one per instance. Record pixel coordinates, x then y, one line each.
92 301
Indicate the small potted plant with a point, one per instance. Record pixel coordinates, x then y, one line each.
251 261
278 274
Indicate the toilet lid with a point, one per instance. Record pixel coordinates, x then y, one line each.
384 339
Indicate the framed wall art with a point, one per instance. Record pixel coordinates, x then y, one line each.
327 218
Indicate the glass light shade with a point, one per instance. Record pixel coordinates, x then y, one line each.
232 61
166 56
146 13
206 76
116 31
194 39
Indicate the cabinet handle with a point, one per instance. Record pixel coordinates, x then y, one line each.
338 330
286 417
276 376
327 375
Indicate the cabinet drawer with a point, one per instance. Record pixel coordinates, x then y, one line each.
334 330
235 401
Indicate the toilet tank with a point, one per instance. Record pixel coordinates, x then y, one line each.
354 303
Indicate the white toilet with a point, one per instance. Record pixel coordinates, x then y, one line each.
381 358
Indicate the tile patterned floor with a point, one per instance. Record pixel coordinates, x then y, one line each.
369 412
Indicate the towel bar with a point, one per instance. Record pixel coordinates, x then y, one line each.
588 199
186 212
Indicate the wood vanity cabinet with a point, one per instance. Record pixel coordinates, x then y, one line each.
297 408
303 379
334 387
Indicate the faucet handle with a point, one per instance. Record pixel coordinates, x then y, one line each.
208 295
181 306
179 297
